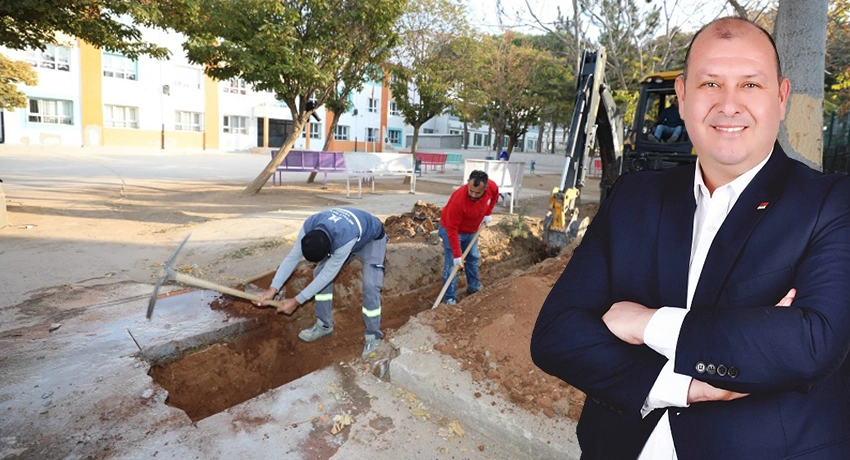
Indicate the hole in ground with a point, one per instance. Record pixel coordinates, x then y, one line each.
270 355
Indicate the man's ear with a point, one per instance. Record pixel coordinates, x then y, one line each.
680 90
784 92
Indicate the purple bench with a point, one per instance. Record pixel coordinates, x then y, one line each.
309 161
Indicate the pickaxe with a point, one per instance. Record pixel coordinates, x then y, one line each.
168 273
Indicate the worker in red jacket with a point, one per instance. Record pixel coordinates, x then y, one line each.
467 208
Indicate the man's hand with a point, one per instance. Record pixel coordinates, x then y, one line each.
700 391
487 220
289 306
788 299
628 320
458 262
265 296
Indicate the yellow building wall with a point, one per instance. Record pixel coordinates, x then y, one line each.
91 94
211 118
132 137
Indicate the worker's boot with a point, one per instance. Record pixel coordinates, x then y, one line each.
372 343
673 138
316 332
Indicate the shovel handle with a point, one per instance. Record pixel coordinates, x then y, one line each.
456 267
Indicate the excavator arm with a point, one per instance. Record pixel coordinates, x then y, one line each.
595 123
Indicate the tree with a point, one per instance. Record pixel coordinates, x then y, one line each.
28 24
11 74
837 84
515 78
801 40
421 75
302 51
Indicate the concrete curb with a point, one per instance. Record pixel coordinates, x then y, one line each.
415 369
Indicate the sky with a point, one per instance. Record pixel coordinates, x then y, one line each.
691 14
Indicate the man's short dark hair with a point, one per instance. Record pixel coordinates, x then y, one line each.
726 34
315 246
477 177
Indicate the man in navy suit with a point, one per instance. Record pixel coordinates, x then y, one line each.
706 312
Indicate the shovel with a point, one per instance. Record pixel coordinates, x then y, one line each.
456 267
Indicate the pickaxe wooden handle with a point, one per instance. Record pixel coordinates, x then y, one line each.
203 284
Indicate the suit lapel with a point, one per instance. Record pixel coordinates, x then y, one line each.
675 234
753 204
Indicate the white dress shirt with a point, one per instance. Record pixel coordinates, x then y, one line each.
662 331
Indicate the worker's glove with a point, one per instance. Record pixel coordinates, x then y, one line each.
458 262
487 220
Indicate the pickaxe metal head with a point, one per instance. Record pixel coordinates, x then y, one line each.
166 272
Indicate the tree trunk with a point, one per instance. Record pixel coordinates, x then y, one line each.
267 172
330 135
465 135
413 146
540 137
801 39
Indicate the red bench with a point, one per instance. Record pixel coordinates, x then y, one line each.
433 160
309 161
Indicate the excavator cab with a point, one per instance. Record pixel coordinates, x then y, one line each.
650 148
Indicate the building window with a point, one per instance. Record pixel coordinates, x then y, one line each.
427 131
341 133
117 116
315 130
454 131
477 139
235 86
187 77
394 109
373 105
117 66
53 57
395 136
50 111
235 125
372 134
187 121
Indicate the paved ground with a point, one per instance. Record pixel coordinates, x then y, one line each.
74 380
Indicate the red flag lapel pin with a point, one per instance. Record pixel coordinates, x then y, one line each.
763 205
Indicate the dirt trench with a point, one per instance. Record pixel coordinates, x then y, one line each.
270 355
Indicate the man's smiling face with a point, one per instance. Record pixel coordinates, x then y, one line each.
732 99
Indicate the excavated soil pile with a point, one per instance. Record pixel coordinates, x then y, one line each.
490 336
417 225
270 354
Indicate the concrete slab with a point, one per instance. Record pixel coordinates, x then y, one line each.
533 436
83 391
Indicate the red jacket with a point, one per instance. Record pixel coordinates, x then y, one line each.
462 215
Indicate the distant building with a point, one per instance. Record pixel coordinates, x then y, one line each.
88 97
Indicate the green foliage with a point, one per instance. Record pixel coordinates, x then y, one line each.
515 225
11 74
300 50
33 24
424 63
837 78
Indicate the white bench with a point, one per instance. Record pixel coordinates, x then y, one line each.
360 166
506 174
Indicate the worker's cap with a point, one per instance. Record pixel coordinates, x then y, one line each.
315 246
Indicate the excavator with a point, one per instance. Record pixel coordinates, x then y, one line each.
597 129
596 123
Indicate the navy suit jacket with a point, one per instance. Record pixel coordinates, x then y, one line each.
789 228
